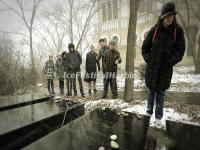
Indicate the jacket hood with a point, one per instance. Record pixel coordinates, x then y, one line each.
168 9
62 55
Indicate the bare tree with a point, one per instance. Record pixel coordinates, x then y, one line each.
7 85
190 29
28 25
68 21
131 41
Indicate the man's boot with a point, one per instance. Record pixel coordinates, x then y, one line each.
82 93
75 93
90 92
95 92
104 96
114 97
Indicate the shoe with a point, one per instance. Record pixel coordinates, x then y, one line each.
95 91
53 92
75 93
114 97
69 94
158 122
82 93
104 97
89 92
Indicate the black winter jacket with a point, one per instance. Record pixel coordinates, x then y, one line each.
162 54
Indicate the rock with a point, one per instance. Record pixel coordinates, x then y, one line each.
114 145
103 108
113 137
101 148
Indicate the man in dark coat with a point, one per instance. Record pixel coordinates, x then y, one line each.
78 73
91 69
111 59
74 62
102 51
163 47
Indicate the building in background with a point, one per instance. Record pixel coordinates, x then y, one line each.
112 23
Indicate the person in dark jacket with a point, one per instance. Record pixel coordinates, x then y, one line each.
163 47
102 51
91 69
78 73
49 70
111 60
64 56
74 62
60 73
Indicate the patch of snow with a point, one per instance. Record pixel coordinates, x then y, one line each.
168 114
39 84
111 103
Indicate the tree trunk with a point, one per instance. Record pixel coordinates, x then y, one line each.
70 20
131 41
197 68
33 73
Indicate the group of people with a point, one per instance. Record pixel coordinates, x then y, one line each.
67 67
163 47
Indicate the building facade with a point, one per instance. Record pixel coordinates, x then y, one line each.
112 23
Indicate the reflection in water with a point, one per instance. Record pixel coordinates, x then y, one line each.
93 130
184 136
24 125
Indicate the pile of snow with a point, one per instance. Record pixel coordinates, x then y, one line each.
140 108
109 103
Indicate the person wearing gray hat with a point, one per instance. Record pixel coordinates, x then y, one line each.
163 47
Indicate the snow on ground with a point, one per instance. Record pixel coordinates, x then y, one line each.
183 80
140 108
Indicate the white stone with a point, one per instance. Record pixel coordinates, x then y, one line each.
101 148
103 108
114 145
113 137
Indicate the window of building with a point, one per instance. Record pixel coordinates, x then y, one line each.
115 9
109 10
142 6
148 5
104 14
124 8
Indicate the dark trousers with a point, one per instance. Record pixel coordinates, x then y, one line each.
50 85
80 82
67 85
110 79
61 85
72 83
159 95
